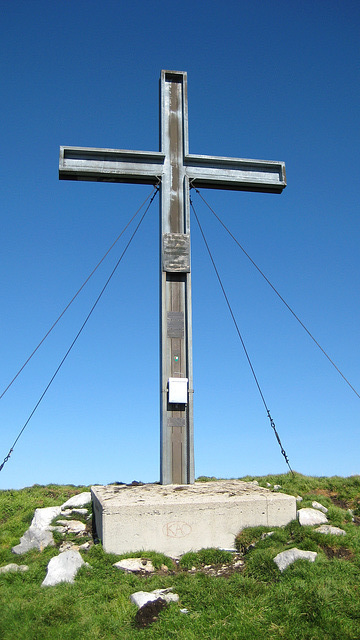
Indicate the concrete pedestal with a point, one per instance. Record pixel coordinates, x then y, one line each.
174 519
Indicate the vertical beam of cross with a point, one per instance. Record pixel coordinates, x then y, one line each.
175 168
177 445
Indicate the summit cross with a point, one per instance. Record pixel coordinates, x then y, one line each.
175 170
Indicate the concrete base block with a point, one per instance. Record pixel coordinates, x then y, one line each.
174 519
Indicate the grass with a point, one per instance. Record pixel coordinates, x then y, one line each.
314 601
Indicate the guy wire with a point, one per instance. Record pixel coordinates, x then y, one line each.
272 423
79 332
76 294
277 293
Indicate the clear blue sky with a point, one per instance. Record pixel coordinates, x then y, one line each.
270 80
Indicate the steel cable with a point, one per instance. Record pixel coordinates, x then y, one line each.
272 423
278 294
77 293
79 332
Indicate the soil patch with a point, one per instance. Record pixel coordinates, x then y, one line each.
338 502
149 613
341 552
220 570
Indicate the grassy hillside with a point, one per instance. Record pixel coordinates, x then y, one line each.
251 600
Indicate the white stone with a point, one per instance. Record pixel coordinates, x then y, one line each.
59 529
12 567
285 558
73 526
34 538
277 487
334 531
63 568
80 500
135 564
238 563
318 505
140 598
86 546
38 535
69 512
205 514
68 546
309 517
44 516
299 499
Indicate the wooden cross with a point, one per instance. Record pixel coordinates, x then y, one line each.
176 170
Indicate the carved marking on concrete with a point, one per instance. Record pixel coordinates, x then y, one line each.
177 529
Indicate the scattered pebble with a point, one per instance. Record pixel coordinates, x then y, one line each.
285 558
134 565
319 506
309 517
334 531
12 567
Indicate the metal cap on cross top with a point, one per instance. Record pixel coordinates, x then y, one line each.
175 169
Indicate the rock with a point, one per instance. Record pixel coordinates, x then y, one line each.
135 564
59 529
277 487
63 568
38 535
149 612
298 499
44 516
9 568
334 531
71 546
73 526
34 538
80 500
68 546
268 484
285 558
267 534
69 512
309 517
239 563
80 512
142 597
319 506
86 546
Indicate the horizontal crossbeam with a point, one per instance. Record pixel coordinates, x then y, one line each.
110 165
235 173
147 167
